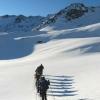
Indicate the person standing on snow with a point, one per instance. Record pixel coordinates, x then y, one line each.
38 74
43 86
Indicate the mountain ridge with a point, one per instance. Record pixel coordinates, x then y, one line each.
71 17
20 23
71 14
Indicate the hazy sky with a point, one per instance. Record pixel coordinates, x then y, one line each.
37 7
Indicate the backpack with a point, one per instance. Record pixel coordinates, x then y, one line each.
44 85
48 83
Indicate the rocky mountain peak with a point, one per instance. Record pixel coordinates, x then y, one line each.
70 12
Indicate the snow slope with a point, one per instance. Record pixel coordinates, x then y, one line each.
73 61
70 57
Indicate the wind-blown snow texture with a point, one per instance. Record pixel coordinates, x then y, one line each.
69 51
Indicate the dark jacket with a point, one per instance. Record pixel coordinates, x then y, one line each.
43 85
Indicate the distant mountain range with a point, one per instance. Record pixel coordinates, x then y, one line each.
75 15
21 23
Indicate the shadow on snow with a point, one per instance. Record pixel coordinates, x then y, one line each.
61 86
14 46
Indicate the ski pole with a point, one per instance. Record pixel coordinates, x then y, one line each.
53 95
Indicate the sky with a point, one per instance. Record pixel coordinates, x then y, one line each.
38 7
